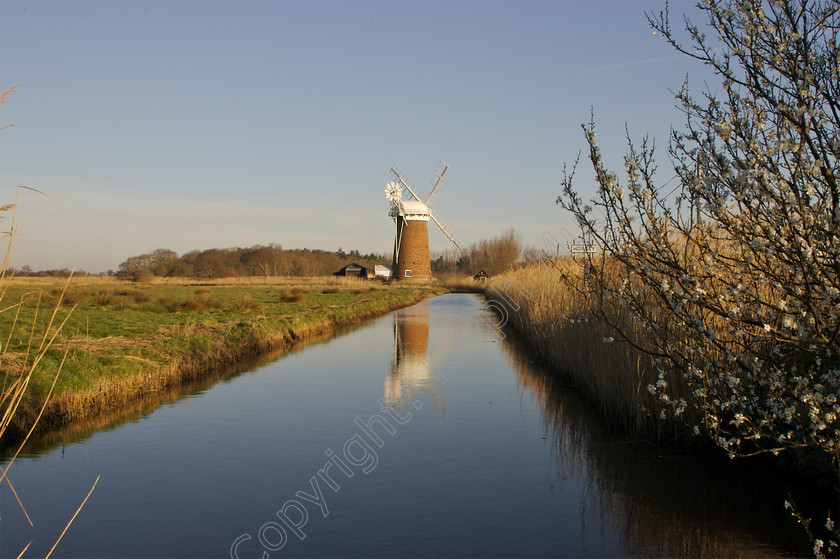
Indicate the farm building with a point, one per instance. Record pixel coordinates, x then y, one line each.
352 270
357 271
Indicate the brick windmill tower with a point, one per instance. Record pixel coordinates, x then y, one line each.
411 218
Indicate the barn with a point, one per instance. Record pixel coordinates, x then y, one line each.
352 270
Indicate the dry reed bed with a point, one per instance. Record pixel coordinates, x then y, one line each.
559 324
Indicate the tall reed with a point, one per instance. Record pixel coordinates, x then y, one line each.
17 372
563 328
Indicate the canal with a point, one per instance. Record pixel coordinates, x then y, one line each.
424 433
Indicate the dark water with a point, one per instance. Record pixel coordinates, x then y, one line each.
421 434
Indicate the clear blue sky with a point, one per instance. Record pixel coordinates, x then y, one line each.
193 125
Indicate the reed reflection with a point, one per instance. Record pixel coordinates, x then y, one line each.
657 504
412 369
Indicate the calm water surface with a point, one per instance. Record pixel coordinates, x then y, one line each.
424 433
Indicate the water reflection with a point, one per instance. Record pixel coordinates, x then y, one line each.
657 504
497 478
411 370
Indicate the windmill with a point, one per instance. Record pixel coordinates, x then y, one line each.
411 219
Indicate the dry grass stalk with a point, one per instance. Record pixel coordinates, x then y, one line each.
3 98
72 519
15 383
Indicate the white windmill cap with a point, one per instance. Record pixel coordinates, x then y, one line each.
413 208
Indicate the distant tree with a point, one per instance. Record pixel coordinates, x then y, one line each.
504 252
445 261
494 256
55 273
263 260
214 263
302 264
439 264
159 262
133 264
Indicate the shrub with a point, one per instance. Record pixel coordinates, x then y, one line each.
142 276
295 295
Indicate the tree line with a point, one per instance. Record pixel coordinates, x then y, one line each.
260 260
493 256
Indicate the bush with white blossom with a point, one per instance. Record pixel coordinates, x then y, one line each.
737 280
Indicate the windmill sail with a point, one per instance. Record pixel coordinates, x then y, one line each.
436 183
446 232
401 179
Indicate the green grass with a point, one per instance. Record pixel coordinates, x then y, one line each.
132 312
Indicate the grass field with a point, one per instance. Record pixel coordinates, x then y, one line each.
124 340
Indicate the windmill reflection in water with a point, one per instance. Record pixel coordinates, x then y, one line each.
412 370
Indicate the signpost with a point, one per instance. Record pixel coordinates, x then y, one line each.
583 249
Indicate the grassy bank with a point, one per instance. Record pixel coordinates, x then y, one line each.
123 341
